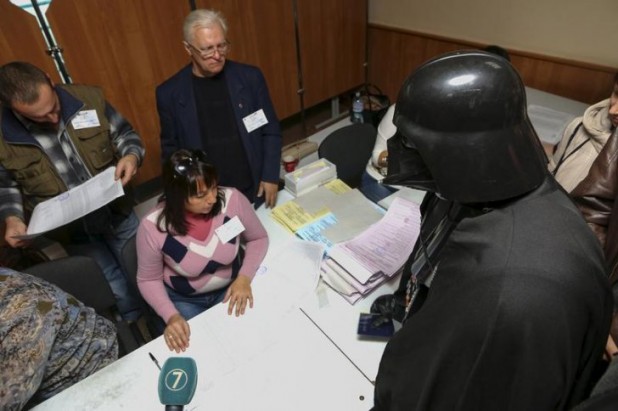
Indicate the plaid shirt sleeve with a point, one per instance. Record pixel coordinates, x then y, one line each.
10 196
124 139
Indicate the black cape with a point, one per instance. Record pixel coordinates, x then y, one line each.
516 318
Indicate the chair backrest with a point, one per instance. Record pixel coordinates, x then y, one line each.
79 276
349 148
128 260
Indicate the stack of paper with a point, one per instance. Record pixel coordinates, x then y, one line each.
355 267
329 214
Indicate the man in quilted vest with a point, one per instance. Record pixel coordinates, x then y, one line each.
54 138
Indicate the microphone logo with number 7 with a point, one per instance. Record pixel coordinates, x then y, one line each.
177 382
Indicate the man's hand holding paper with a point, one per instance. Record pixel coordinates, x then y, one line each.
74 204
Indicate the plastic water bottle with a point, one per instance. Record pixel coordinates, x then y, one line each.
357 109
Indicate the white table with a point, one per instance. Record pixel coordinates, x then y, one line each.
285 364
550 114
273 358
295 350
555 102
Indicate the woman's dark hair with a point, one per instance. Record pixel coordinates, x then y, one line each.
181 174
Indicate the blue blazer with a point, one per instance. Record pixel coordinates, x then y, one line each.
248 93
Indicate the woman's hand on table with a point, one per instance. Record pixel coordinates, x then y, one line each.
177 333
239 295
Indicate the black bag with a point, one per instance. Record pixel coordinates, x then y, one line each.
376 104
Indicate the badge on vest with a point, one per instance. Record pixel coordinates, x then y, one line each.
85 119
255 120
230 230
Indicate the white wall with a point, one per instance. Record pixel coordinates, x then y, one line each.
582 30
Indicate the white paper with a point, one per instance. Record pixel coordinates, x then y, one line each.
384 247
255 120
299 263
230 229
74 204
85 119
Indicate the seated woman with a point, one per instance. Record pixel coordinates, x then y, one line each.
189 246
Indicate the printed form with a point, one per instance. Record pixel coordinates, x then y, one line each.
74 204
356 267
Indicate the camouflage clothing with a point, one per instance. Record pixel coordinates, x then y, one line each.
48 340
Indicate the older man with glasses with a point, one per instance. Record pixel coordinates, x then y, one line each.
224 108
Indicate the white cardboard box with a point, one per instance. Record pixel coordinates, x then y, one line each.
308 177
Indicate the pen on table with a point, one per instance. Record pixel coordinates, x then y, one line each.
152 357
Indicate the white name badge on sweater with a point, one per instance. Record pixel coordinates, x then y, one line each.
255 120
230 230
85 119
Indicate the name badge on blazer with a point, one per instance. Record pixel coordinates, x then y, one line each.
255 120
230 230
85 119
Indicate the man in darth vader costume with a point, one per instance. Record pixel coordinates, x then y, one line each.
505 298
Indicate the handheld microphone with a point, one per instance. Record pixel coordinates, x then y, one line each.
177 382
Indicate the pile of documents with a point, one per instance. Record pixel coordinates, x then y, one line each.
328 214
357 266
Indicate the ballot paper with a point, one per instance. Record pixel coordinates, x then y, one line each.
328 214
74 204
356 267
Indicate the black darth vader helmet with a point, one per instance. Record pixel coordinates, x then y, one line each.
463 116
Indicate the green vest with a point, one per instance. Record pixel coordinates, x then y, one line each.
32 169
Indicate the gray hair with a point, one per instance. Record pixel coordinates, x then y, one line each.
202 18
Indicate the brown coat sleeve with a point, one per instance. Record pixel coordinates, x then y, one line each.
595 194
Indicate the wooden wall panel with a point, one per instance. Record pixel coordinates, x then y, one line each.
579 81
262 34
395 53
332 44
127 48
21 39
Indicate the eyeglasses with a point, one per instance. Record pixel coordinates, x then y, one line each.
188 163
210 51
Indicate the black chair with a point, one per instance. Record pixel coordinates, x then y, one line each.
128 261
82 277
349 148
606 401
